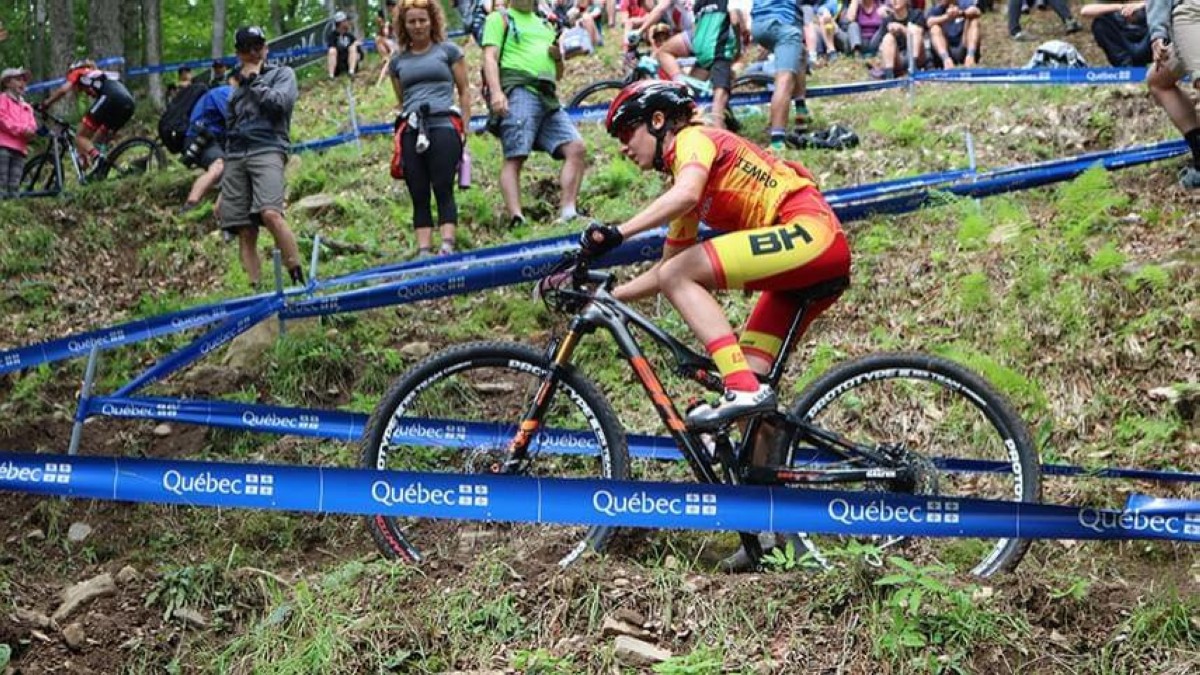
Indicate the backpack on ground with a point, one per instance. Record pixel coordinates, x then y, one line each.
173 124
1056 54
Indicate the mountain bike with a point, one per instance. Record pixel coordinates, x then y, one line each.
901 422
49 172
643 66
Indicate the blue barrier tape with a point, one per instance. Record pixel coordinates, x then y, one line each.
139 330
1034 76
578 501
348 427
234 325
57 82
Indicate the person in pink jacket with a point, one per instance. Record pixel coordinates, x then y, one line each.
17 128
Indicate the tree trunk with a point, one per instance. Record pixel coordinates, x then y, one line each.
131 23
276 27
62 35
38 49
150 10
104 33
218 38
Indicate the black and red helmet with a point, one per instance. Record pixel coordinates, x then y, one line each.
638 101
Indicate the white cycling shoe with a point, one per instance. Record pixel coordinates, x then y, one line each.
732 405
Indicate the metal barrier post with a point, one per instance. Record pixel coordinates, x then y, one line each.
85 395
277 259
971 161
312 266
353 116
912 64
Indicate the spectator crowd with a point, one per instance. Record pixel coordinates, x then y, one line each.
237 130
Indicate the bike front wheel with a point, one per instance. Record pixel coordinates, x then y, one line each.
457 411
40 176
963 439
134 157
603 91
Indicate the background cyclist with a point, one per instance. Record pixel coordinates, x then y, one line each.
112 108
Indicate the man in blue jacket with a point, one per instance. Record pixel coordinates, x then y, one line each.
203 144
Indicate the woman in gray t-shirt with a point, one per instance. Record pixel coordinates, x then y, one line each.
426 72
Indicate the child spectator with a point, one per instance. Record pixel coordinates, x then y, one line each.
344 50
17 128
586 13
820 26
1121 30
954 32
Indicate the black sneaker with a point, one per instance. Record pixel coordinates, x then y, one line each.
517 221
296 274
187 207
1072 26
739 561
733 404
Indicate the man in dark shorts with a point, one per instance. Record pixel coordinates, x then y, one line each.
112 108
344 50
257 141
954 32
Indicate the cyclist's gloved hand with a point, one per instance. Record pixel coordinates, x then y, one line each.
599 239
41 107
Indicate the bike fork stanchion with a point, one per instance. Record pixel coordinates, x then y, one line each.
277 260
85 397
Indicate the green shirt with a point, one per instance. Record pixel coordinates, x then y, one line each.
526 50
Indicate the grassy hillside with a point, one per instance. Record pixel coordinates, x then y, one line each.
1078 301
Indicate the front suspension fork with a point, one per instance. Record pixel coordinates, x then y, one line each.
518 448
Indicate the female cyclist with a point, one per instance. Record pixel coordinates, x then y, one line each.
779 235
112 108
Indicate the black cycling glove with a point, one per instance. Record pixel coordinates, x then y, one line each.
599 239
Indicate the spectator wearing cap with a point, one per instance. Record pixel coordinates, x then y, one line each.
17 128
257 141
344 50
521 66
220 73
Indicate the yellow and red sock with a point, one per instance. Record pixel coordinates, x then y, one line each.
731 362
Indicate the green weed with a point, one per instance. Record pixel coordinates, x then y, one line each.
701 661
542 662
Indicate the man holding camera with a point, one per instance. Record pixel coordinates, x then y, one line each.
257 141
521 65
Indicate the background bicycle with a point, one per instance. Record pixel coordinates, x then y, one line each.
59 165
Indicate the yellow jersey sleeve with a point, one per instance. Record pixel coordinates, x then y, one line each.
693 148
683 230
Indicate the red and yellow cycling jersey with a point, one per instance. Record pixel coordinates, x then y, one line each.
745 188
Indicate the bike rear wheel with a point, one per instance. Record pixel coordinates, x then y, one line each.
134 157
603 91
942 413
457 411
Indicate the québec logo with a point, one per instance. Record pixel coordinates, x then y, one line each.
52 472
880 511
644 503
271 420
416 494
1103 520
98 341
12 360
205 483
441 432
